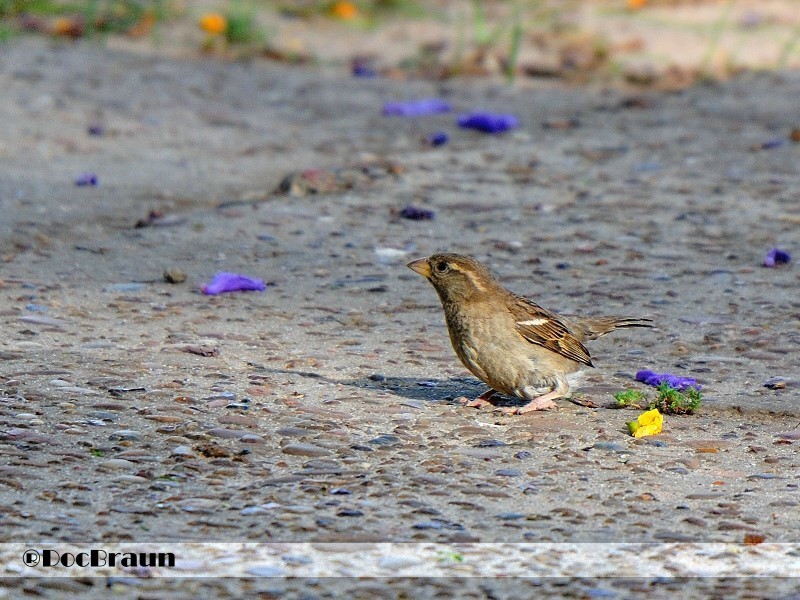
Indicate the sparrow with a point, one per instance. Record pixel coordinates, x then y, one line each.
507 341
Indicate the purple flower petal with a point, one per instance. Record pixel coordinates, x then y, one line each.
439 138
488 122
363 70
773 143
776 256
87 178
417 214
416 108
232 282
674 381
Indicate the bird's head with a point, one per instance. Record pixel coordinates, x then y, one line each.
455 277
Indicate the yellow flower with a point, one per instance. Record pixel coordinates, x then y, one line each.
344 10
636 4
213 23
648 423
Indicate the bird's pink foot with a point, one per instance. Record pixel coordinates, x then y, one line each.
485 399
544 402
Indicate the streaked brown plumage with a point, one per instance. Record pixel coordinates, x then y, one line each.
509 342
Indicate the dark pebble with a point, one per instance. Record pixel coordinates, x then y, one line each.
293 559
385 439
610 446
508 472
417 214
490 444
361 448
776 383
427 525
523 454
510 516
350 512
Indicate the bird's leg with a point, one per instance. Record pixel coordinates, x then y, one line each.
543 402
482 400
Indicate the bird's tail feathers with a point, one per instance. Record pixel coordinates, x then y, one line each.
594 327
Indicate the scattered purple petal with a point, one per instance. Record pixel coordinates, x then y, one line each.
96 130
416 108
87 178
674 381
439 138
363 70
232 282
417 214
488 122
773 143
776 256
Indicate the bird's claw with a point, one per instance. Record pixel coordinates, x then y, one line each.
474 403
533 405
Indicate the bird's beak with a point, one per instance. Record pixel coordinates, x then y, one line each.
420 266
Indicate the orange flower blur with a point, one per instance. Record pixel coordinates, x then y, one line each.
344 10
213 23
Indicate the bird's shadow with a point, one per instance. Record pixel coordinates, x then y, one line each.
413 388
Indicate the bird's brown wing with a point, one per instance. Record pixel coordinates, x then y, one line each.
544 328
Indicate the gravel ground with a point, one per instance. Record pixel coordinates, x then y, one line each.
318 417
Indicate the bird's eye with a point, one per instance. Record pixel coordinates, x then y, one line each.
442 267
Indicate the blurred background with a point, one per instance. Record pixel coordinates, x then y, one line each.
663 44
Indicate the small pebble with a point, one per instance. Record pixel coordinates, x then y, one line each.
776 383
297 449
296 560
174 275
385 439
395 563
115 464
125 434
508 472
226 434
610 446
252 510
42 320
265 571
491 443
510 516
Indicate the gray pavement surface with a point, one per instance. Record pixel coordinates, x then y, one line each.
323 409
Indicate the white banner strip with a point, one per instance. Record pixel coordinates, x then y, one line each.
362 560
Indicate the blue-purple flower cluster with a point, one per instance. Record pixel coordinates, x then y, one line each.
416 108
776 256
488 122
232 282
674 381
87 178
414 213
